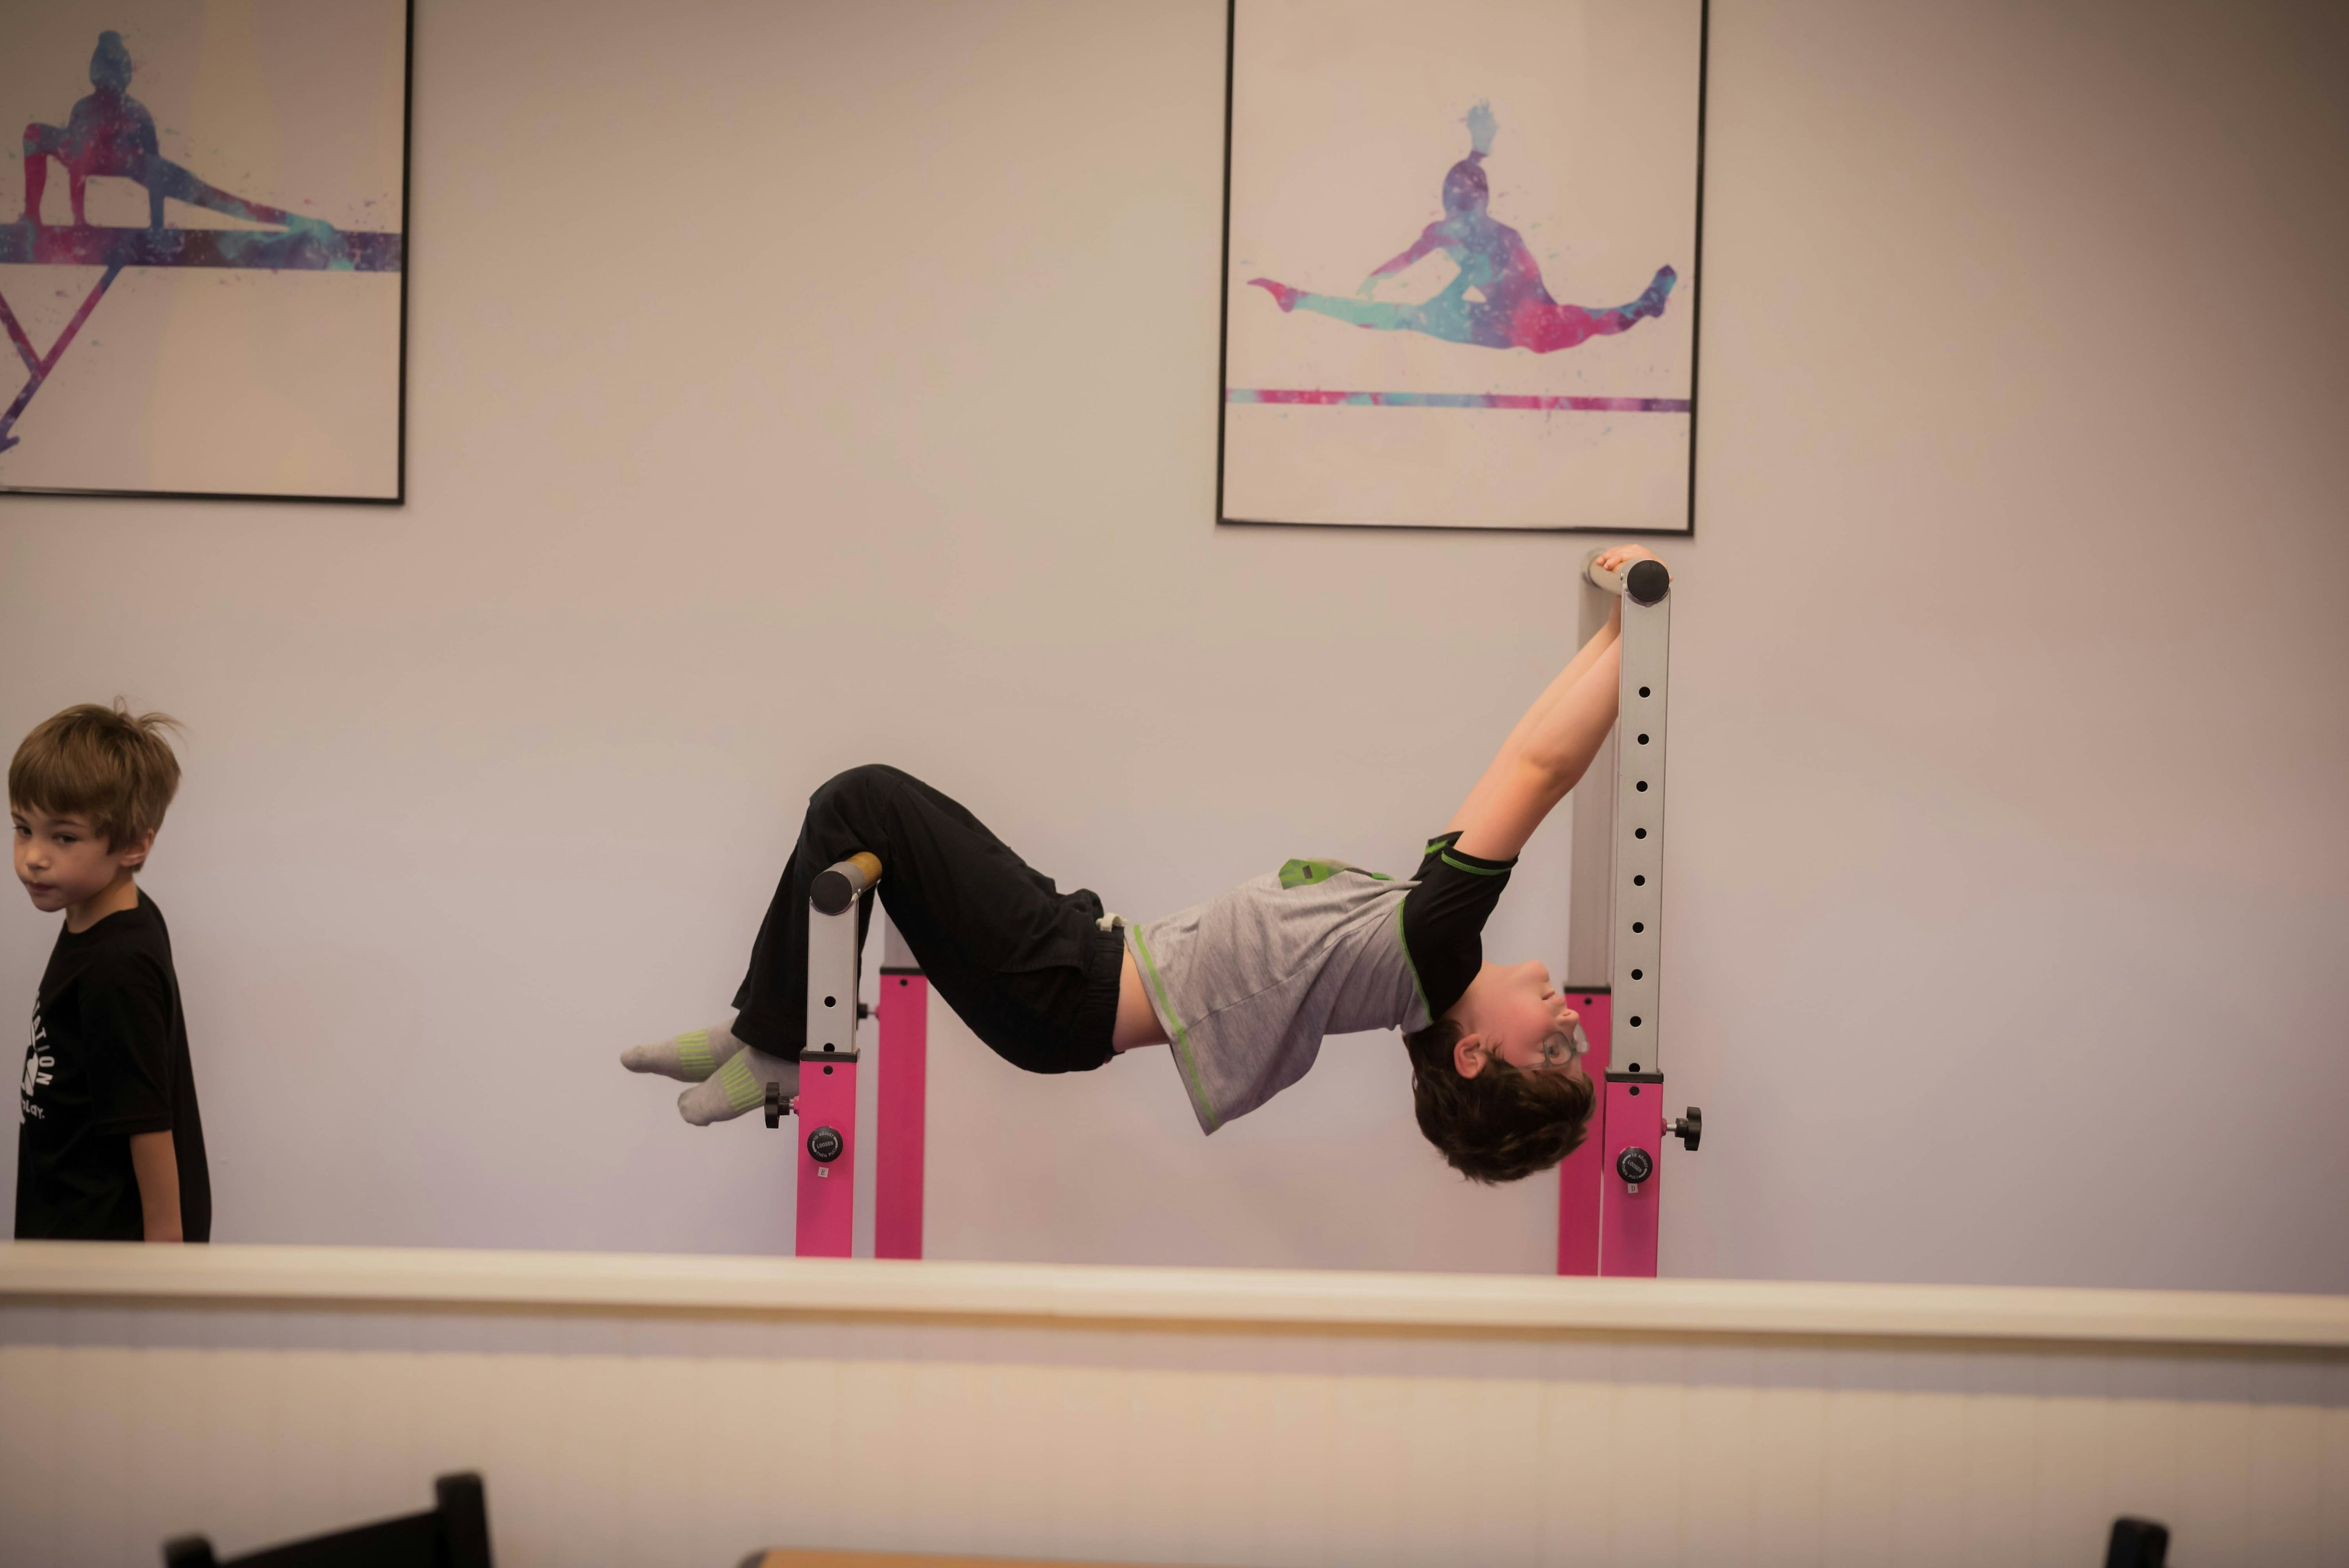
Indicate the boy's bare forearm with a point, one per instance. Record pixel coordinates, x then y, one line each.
1514 746
1566 739
156 1163
1524 788
1569 677
1550 748
1570 730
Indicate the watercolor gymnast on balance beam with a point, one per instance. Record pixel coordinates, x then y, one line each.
110 133
1512 308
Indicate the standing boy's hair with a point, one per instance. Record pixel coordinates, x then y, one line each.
102 762
1503 1125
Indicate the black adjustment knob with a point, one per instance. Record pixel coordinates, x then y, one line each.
1689 1129
824 1144
1635 1164
777 1107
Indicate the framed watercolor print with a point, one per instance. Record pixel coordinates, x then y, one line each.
203 248
1461 264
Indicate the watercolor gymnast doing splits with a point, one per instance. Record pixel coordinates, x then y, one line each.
1512 310
111 133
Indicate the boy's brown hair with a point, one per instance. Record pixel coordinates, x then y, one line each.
100 762
1503 1125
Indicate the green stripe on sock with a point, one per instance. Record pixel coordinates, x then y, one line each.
742 1089
693 1053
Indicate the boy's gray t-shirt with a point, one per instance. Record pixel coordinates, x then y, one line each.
1247 983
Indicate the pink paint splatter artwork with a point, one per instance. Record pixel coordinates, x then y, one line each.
1497 299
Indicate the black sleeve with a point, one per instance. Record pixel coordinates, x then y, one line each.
1444 919
125 1028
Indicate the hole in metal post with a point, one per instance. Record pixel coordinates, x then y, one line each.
1644 786
1643 691
1644 739
1639 881
1637 926
1639 833
1637 973
831 1002
1635 1024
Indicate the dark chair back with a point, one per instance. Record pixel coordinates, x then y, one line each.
2137 1544
455 1534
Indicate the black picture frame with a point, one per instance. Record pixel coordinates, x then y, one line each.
1223 350
405 237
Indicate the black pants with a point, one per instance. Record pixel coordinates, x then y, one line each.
1024 964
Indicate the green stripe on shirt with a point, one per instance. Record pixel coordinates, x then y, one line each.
1458 865
1182 1036
1413 965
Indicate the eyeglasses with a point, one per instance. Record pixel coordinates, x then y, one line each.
1563 1050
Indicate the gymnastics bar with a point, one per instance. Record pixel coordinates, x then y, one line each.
1609 1189
826 1102
829 1065
901 1130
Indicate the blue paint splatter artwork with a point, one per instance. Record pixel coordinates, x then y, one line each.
1496 299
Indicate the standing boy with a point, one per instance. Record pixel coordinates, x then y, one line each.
1243 987
110 1146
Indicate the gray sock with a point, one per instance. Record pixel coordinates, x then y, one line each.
690 1057
739 1085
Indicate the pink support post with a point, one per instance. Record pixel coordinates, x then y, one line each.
1634 1147
826 1109
903 1122
1579 1174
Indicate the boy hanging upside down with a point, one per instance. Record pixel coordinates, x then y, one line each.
1243 986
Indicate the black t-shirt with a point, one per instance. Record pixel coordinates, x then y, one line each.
1444 919
109 1058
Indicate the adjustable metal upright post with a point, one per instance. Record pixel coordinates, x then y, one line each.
902 1124
1609 1189
826 1104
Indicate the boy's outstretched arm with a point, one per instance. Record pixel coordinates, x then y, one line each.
1504 759
1548 751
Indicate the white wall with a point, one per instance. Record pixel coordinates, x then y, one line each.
797 385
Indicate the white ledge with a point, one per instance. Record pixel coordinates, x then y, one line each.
120 1273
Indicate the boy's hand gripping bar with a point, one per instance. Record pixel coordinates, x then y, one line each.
1641 582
